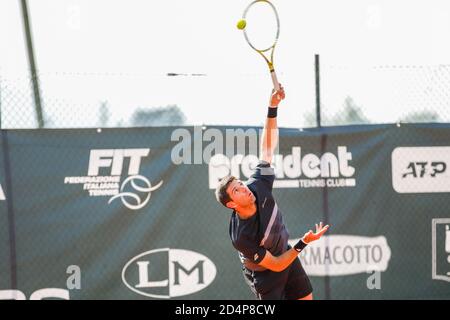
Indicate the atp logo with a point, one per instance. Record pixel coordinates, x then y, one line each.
421 169
107 168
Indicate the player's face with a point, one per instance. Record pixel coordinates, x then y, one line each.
240 193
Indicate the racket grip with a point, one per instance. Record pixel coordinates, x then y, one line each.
276 84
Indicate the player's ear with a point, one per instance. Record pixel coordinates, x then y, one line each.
231 205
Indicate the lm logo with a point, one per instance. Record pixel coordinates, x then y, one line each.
167 273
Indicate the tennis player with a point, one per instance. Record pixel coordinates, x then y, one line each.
271 267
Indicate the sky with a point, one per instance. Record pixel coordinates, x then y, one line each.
89 51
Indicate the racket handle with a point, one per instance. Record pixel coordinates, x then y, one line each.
276 84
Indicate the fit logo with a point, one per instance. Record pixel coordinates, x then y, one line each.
167 273
113 159
440 239
421 169
107 168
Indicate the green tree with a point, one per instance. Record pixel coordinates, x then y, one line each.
350 113
166 116
103 114
421 116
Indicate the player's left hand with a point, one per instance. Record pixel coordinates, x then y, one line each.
313 236
276 97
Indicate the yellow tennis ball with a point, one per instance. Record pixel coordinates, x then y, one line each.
241 24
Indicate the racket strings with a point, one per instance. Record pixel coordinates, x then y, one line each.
262 26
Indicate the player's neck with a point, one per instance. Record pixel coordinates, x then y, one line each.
247 212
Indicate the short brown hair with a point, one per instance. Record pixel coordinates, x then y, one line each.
221 191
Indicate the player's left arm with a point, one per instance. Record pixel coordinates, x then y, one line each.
281 262
269 138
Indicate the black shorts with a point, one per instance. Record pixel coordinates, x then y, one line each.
289 284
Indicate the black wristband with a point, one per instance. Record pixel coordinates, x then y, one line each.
300 245
272 112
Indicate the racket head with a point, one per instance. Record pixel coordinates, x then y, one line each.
263 25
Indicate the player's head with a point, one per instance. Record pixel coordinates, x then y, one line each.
234 194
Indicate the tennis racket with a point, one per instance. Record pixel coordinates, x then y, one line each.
261 32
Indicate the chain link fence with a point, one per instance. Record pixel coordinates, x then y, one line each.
84 100
384 94
349 95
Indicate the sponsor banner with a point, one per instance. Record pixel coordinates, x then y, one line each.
339 255
295 170
71 193
421 169
117 181
440 239
180 273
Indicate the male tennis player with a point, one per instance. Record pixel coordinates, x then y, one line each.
271 267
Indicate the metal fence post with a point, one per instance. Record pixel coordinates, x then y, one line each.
32 62
317 74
